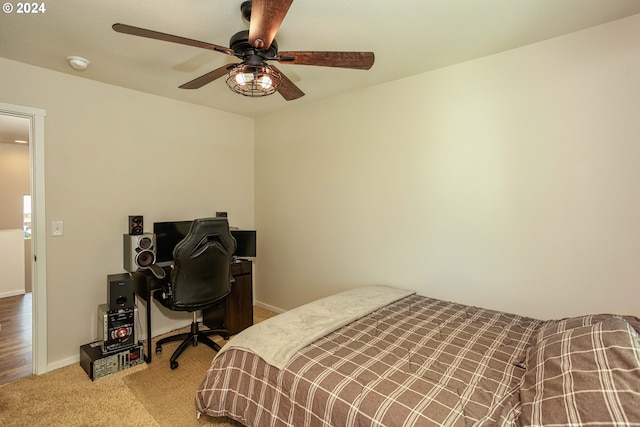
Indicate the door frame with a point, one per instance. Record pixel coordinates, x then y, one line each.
38 235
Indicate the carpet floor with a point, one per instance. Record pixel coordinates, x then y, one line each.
169 395
144 395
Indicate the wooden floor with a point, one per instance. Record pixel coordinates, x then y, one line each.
15 338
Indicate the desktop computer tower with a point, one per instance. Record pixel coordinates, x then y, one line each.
97 364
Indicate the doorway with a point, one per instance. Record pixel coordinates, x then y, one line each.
15 249
37 249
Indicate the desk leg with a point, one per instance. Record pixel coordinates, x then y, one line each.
148 356
141 287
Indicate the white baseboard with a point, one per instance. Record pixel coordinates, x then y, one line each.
62 363
156 333
12 293
76 359
269 307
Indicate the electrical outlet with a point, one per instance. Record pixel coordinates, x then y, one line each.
57 228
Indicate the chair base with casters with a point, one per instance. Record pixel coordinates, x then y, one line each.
192 337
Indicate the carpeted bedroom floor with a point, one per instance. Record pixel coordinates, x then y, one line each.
144 395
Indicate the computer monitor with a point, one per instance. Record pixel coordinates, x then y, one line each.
246 243
168 235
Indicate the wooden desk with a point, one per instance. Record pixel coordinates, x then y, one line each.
236 315
238 307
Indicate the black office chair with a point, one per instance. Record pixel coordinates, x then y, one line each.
199 278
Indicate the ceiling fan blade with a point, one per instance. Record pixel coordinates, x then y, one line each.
287 89
208 78
135 31
355 60
266 17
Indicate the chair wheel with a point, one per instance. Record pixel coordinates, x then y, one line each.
158 349
174 365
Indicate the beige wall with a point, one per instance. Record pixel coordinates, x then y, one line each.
509 182
14 176
12 262
111 152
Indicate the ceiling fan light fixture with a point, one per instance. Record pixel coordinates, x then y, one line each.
253 80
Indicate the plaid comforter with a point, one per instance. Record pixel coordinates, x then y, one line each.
416 362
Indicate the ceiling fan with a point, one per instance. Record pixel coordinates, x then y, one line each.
253 76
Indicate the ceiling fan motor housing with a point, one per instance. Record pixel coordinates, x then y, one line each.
239 43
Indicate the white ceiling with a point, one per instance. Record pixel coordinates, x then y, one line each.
408 37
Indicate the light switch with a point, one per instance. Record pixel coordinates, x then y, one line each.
57 228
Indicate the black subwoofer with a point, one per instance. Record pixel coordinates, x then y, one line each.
120 291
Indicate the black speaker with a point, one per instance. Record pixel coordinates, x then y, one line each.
139 251
136 226
120 291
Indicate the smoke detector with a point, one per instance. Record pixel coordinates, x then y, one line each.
78 62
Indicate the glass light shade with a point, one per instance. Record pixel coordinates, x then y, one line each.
266 82
253 80
243 78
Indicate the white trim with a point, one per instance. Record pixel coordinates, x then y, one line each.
38 237
64 362
12 293
269 307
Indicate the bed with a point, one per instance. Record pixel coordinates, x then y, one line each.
382 356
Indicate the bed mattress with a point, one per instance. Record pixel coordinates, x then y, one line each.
418 361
